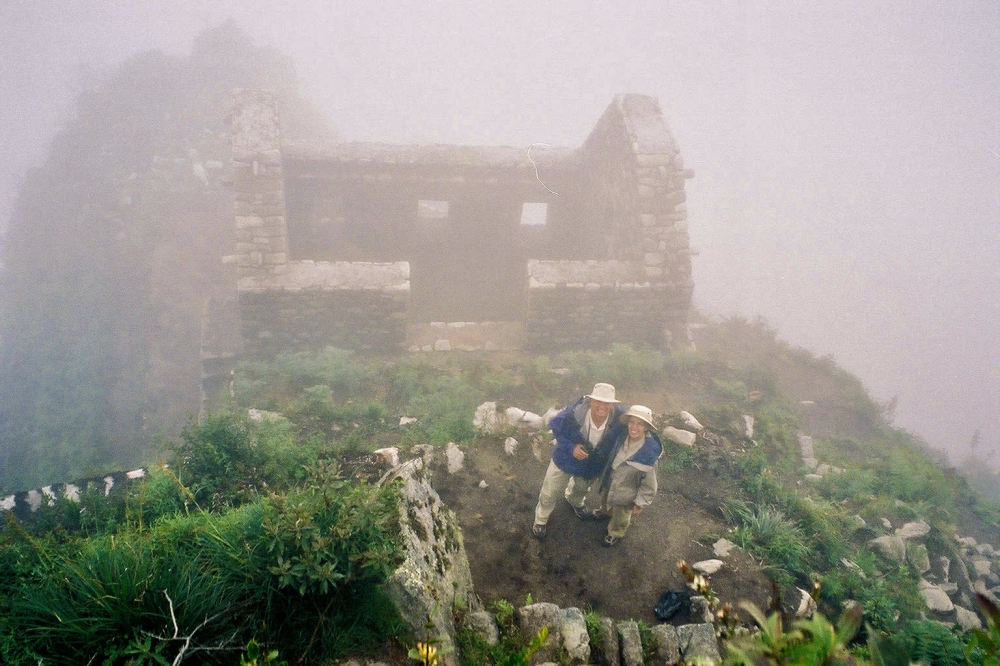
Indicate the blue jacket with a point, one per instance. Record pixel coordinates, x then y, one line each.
567 426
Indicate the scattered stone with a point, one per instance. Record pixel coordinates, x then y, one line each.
425 451
807 605
549 415
698 641
610 652
748 426
823 469
981 566
810 463
520 418
853 565
668 647
936 599
968 619
484 624
708 567
486 418
260 415
968 542
886 524
891 547
575 639
701 610
483 485
813 477
510 446
913 530
455 457
530 620
678 436
630 643
406 420
387 456
691 422
723 547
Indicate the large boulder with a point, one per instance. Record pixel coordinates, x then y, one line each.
434 576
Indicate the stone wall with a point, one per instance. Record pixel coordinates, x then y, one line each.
610 263
635 177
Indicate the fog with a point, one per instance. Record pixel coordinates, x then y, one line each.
847 158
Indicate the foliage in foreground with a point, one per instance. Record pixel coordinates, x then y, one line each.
298 572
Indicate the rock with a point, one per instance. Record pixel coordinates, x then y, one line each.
810 463
520 418
484 624
853 565
890 547
967 618
913 530
486 418
691 422
935 598
630 643
723 547
530 620
885 523
679 436
260 415
708 567
823 469
968 542
510 446
701 610
483 485
807 605
387 456
980 566
698 641
813 477
943 568
406 420
668 647
748 425
425 451
434 575
549 415
609 652
455 457
575 639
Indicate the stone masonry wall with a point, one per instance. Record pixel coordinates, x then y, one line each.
635 175
593 305
285 305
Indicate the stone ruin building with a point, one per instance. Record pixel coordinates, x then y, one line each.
384 248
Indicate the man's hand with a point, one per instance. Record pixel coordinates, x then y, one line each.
636 510
580 452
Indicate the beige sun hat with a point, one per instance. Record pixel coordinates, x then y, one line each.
603 393
644 414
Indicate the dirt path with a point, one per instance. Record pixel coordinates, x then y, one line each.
571 567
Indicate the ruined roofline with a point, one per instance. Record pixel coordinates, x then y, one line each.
436 154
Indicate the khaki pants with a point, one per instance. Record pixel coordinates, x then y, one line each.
621 517
558 482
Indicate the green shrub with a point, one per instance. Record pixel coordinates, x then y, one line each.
767 533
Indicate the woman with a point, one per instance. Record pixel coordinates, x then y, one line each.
628 482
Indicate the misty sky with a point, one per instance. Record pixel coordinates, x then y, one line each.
847 157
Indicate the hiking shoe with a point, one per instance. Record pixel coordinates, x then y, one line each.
538 531
583 513
610 541
600 514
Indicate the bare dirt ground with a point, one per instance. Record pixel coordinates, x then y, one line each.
571 567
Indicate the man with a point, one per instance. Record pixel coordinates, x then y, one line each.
588 426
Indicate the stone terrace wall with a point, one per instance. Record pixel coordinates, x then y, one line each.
592 305
311 305
635 175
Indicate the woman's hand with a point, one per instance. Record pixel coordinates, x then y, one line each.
580 453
